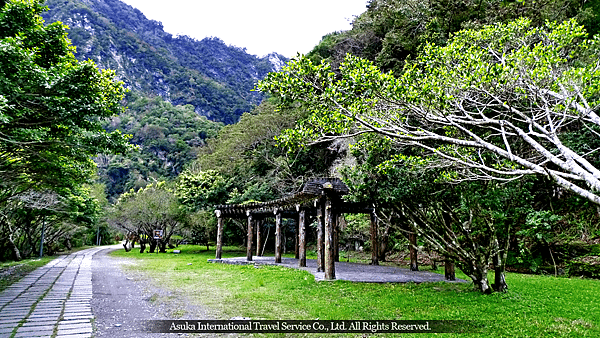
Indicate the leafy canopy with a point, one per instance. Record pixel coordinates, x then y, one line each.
495 102
51 105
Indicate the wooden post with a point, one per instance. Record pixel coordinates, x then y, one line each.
320 204
302 238
219 234
258 239
250 236
412 238
296 239
336 238
278 236
329 240
374 242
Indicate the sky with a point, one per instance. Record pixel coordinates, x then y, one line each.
261 26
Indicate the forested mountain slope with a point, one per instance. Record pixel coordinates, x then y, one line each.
215 78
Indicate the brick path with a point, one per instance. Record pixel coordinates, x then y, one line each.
52 301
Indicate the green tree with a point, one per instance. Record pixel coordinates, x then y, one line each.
495 102
154 207
51 105
51 113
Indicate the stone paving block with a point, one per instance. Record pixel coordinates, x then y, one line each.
75 331
6 330
84 327
79 335
48 313
32 334
73 322
78 316
26 327
40 322
9 321
42 319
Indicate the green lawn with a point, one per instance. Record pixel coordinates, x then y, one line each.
535 306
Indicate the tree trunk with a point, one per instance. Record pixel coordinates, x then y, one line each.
414 264
142 247
449 269
152 246
499 280
15 250
480 279
384 243
374 239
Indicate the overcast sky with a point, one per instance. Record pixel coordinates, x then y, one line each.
260 26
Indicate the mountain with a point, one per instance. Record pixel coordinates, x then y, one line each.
208 74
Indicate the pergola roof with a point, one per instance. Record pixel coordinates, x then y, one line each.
288 205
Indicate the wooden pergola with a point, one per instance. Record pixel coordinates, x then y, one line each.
320 200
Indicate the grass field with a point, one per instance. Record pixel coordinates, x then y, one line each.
534 306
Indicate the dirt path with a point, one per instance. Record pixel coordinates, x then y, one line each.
123 299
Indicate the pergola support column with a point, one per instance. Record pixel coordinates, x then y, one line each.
258 239
320 204
302 238
219 249
278 236
250 237
329 240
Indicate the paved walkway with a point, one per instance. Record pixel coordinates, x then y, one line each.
354 272
52 301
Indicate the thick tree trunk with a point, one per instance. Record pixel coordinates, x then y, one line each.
480 279
152 246
499 280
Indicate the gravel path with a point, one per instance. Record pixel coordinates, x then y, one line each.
122 300
354 272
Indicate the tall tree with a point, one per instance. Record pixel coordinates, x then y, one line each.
51 105
51 112
499 103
